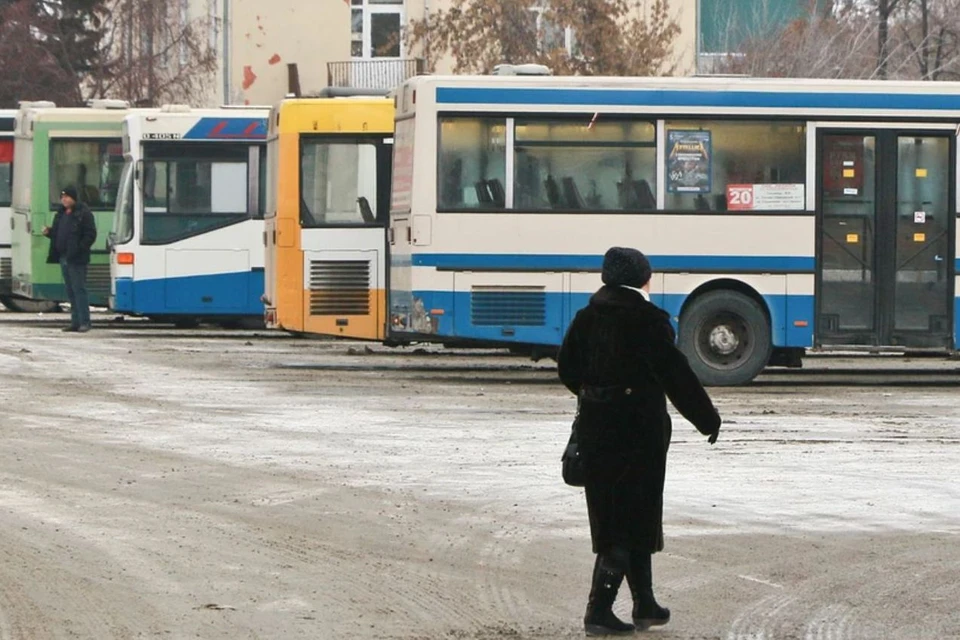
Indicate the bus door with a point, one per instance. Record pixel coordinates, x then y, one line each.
344 204
886 242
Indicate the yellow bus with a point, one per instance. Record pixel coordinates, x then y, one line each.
328 183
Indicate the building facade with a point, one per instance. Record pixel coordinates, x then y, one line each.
359 43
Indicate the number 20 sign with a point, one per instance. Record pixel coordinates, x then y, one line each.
740 197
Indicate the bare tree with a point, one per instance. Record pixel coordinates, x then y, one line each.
877 39
46 48
835 44
587 37
153 53
930 32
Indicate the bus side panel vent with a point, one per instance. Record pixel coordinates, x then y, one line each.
98 280
512 306
339 288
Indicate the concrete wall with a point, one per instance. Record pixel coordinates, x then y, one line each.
685 46
265 36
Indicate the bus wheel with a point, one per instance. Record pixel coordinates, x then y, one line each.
22 305
726 338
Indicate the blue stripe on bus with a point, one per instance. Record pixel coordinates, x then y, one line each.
226 294
586 262
956 322
214 128
456 321
675 98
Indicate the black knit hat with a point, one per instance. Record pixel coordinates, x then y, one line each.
70 191
624 267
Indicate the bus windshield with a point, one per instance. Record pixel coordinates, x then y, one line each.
123 220
93 167
338 183
191 189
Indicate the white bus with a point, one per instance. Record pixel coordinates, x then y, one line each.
6 198
11 302
187 241
778 215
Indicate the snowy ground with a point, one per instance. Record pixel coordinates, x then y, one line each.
214 484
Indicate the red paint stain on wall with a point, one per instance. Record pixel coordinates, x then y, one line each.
249 77
274 59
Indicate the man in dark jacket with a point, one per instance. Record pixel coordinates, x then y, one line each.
72 234
619 357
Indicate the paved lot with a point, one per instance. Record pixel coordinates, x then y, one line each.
215 484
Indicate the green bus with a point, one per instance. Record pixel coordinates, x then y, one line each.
56 147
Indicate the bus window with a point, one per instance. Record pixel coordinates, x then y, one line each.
272 165
198 190
262 183
6 172
579 165
338 183
724 165
123 220
92 166
472 163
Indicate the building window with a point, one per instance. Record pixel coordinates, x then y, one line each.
735 166
472 163
376 28
583 165
551 36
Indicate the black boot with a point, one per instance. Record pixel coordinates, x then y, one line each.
646 612
600 619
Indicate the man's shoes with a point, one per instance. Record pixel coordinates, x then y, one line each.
83 328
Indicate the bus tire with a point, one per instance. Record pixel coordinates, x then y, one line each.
726 338
23 305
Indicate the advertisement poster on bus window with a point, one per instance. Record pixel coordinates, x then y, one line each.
843 165
689 158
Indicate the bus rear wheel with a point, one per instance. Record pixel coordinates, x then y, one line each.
726 338
22 305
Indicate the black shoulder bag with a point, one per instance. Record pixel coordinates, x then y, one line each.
572 469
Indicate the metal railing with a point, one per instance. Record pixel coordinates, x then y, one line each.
373 74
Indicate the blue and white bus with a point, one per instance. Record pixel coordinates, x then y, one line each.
187 242
778 215
6 198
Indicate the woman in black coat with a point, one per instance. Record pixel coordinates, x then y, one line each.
619 357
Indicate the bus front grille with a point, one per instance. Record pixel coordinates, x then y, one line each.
508 306
98 281
6 270
339 288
